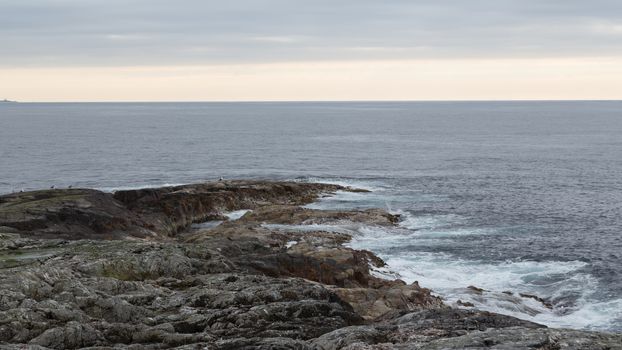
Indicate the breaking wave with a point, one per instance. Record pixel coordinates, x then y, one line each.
555 293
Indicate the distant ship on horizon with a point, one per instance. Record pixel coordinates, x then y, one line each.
9 101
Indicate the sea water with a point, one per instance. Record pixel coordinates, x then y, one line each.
520 197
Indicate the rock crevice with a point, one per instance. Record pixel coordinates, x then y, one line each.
86 269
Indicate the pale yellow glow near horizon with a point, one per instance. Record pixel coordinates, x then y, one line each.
447 79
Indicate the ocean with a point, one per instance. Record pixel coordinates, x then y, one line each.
515 197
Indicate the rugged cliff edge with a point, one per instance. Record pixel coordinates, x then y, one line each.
81 268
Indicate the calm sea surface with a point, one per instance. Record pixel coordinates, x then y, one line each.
507 196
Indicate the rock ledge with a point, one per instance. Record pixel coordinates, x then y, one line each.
81 268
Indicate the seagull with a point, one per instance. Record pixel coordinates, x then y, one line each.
52 187
221 179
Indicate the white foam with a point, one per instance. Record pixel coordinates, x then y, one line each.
423 222
384 272
376 238
206 224
449 277
368 185
337 200
456 232
232 216
589 315
336 228
443 272
235 215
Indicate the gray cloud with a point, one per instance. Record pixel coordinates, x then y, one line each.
144 32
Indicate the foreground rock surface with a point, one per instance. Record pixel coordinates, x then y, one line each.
87 269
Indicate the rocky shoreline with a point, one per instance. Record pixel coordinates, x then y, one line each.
136 269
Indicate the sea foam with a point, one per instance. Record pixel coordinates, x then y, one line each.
568 291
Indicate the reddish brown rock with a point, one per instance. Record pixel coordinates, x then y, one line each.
154 213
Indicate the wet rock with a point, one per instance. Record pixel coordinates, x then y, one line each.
521 338
144 282
372 303
85 213
414 330
294 215
465 303
537 298
171 209
506 300
476 290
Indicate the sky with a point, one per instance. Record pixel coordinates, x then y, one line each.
204 50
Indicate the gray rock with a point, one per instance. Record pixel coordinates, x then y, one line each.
143 284
521 338
71 336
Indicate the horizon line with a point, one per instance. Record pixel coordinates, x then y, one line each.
319 101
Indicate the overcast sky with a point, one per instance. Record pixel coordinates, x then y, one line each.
52 35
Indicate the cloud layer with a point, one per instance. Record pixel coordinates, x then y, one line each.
56 33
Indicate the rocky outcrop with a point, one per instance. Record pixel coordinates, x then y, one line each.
69 214
105 293
460 329
145 213
414 330
270 280
295 215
